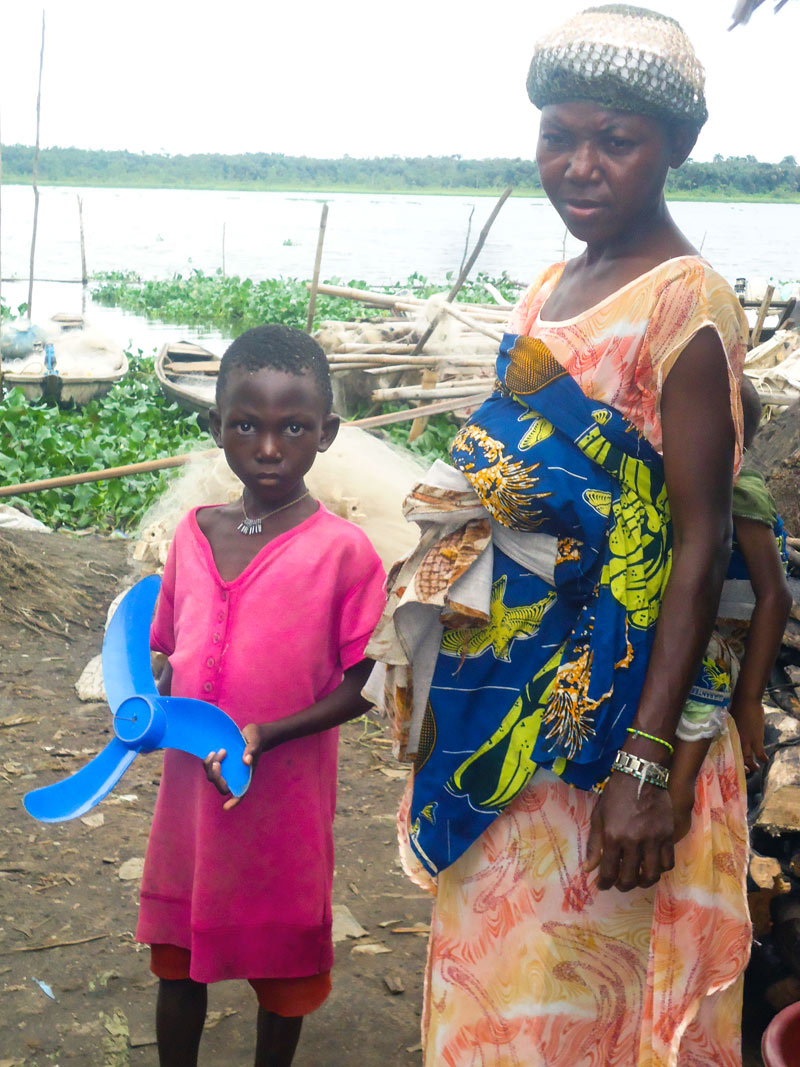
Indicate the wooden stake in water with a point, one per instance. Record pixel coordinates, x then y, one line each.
223 248
317 264
36 174
84 273
418 425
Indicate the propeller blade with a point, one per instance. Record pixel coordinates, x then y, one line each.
75 795
199 728
126 647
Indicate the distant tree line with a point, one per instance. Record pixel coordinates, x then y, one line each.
723 177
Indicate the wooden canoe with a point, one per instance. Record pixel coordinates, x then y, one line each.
187 374
84 366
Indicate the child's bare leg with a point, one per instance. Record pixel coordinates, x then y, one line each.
276 1039
180 1016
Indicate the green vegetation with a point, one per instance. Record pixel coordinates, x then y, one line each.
732 178
133 423
233 304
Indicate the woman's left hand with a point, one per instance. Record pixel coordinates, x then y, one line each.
630 836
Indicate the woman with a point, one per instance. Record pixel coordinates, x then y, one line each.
550 640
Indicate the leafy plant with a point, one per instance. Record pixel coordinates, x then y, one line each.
133 423
233 304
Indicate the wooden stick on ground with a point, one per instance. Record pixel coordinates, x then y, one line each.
323 222
36 174
53 944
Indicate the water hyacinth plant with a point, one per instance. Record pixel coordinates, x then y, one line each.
135 422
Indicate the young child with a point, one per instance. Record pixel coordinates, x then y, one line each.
753 610
265 610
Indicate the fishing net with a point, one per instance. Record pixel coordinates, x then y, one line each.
360 478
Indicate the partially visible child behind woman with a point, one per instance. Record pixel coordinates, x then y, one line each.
752 615
265 610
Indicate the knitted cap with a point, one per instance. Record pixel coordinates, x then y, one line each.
626 58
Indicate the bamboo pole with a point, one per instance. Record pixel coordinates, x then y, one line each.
762 314
441 408
99 476
478 327
426 392
404 302
312 300
224 225
444 407
466 239
36 175
365 359
84 272
464 272
419 424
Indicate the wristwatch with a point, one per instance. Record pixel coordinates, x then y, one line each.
644 770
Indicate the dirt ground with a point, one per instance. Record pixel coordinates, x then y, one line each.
69 891
66 913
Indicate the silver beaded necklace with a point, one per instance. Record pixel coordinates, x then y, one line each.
250 526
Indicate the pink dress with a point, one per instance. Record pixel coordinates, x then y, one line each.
248 891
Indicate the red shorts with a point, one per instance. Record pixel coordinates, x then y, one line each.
289 997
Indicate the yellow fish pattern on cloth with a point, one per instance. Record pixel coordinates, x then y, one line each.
530 965
621 350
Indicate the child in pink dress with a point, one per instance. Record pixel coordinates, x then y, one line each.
265 610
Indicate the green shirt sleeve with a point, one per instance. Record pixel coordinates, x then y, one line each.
752 499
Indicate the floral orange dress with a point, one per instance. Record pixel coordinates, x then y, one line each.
530 965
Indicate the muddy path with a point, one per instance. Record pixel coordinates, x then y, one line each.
69 891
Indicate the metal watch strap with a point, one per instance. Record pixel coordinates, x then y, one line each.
645 770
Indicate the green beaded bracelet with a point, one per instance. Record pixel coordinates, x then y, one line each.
651 737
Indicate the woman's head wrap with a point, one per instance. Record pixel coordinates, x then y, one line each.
625 58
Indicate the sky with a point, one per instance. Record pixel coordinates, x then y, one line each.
366 78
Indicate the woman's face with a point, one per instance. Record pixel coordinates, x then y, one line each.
603 170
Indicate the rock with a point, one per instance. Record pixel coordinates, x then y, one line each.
345 924
93 821
89 686
132 869
372 948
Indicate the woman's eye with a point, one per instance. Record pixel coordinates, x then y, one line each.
619 144
552 140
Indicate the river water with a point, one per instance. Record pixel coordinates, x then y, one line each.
375 238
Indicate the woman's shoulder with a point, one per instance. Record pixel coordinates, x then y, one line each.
531 301
695 277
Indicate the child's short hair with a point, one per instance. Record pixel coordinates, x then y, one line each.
751 411
281 348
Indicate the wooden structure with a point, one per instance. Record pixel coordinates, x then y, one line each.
187 374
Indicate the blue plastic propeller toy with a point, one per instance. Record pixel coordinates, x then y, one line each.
143 719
